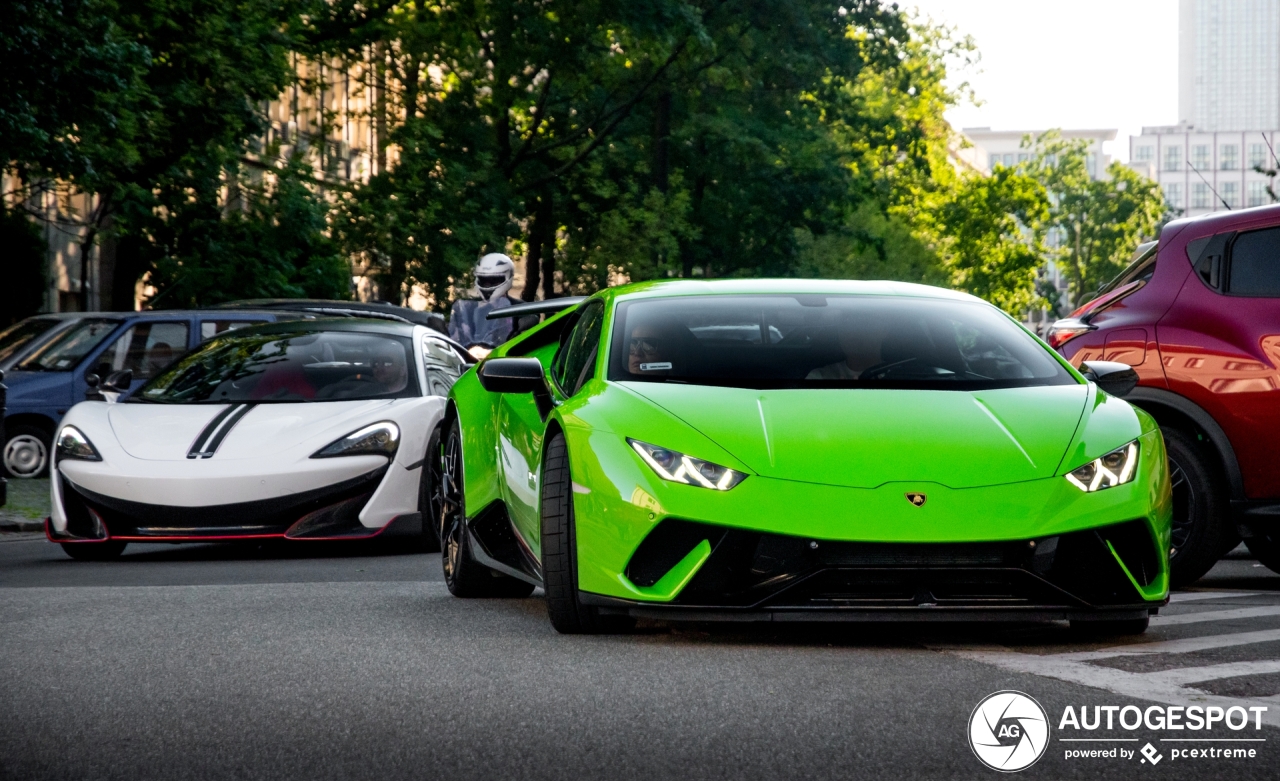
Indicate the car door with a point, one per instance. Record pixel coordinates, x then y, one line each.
521 426
144 348
1221 346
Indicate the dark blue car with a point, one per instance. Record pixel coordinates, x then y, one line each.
50 379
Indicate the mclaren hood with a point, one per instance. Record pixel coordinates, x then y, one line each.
865 438
159 432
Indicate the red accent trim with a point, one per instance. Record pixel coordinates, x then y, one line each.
48 533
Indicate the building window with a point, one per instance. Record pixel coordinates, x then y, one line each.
1091 164
1144 154
1008 160
1199 195
1022 157
1173 194
1200 156
1229 157
1258 193
1231 194
1173 158
1257 155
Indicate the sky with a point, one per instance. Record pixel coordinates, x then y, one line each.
1066 63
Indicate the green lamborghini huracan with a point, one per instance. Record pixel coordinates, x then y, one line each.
796 450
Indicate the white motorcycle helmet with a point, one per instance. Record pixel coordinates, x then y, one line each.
494 274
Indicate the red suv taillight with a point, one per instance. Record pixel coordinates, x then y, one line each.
1065 330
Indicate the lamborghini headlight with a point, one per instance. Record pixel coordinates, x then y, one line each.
1115 468
679 468
72 443
378 439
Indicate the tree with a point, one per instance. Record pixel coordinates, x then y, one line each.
1100 222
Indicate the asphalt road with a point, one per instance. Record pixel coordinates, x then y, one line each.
199 661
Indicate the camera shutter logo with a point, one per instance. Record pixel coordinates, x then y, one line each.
1008 731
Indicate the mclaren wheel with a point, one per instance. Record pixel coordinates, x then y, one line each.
1128 626
429 496
464 576
560 552
1201 531
94 551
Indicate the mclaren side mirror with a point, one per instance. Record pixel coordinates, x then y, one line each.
115 385
1114 378
512 375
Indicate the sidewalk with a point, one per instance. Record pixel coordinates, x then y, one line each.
28 506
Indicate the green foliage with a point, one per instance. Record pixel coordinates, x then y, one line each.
1101 222
271 244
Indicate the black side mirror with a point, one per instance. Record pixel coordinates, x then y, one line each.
117 382
512 375
1114 378
93 394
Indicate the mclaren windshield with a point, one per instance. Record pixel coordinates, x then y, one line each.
820 341
298 367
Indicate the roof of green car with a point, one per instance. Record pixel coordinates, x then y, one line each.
829 287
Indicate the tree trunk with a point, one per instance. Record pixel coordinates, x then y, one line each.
661 143
542 219
547 218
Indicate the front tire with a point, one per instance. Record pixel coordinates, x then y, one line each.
94 551
1265 546
465 577
430 499
560 552
1202 531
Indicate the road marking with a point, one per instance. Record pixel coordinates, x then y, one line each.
1212 672
1186 645
1139 686
1216 615
1196 596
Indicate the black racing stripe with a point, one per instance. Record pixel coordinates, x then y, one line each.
235 418
197 447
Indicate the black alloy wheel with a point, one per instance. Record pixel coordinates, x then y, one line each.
94 551
560 552
464 576
1201 529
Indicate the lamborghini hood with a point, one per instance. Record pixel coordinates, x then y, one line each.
168 432
865 438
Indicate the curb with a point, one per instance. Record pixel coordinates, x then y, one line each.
10 525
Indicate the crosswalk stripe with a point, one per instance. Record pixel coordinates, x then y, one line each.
1184 675
1196 596
1216 615
1183 646
1137 686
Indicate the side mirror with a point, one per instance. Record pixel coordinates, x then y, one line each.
116 384
1114 378
512 375
93 394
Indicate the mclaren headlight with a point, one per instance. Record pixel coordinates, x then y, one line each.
679 468
73 444
1115 468
378 439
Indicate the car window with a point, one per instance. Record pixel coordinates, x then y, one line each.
64 352
442 363
20 334
288 367
576 361
1255 264
1140 269
814 341
211 328
145 349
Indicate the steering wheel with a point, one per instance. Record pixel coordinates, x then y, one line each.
879 370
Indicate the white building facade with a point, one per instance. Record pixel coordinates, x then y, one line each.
1202 172
1229 64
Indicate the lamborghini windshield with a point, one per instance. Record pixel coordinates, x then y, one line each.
298 367
826 342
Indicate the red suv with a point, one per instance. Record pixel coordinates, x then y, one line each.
1197 315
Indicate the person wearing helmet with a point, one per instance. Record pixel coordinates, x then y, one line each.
467 324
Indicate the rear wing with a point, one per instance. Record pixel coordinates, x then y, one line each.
536 307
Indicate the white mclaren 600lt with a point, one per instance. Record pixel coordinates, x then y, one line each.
299 430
